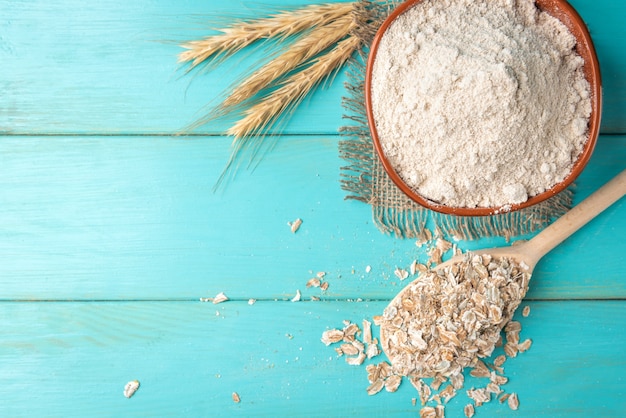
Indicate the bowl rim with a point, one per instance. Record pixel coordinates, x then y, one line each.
593 77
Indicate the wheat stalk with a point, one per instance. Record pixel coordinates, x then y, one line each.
301 51
242 34
293 90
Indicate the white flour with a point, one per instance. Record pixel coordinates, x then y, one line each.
480 103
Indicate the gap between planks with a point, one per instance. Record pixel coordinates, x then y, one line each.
275 300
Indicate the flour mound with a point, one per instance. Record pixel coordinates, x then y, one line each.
480 103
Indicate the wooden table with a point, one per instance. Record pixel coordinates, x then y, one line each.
110 233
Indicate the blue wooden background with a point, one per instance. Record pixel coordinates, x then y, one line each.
110 234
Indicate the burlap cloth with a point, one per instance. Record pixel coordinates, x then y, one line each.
364 178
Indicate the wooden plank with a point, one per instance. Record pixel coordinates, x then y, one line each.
136 218
110 67
73 359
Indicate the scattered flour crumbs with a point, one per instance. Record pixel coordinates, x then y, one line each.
480 103
444 322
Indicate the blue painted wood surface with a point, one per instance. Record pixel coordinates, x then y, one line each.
110 234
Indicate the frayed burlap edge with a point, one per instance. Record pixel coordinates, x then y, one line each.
364 178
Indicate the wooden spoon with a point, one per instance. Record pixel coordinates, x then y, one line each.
530 252
443 305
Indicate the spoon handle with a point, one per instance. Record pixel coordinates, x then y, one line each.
582 213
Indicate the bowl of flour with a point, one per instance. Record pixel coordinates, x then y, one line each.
478 107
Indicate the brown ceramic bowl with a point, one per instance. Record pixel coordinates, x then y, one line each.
566 14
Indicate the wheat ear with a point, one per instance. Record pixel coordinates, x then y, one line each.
242 34
310 45
315 42
293 90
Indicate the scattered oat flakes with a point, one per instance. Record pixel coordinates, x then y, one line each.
349 331
314 282
437 381
510 349
499 361
251 301
392 383
479 396
380 371
315 299
372 372
401 273
376 387
457 380
295 225
349 349
469 410
219 298
440 411
493 388
359 345
525 345
497 379
422 389
497 369
480 369
421 268
332 336
372 350
367 331
513 401
512 326
512 337
428 412
435 255
297 297
368 269
356 361
324 286
236 397
504 397
447 393
130 388
526 311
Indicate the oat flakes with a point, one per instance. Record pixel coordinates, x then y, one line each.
432 327
219 298
428 412
130 388
295 225
392 383
376 387
513 401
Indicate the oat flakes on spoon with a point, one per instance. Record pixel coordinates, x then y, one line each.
452 315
